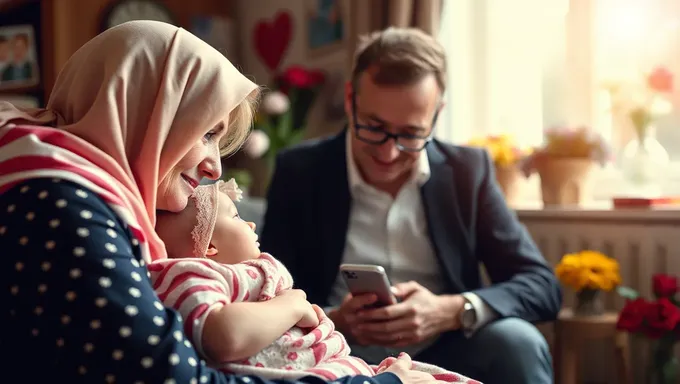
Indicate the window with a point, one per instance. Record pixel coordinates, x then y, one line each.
519 66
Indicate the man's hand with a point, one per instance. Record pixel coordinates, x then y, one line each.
419 316
346 318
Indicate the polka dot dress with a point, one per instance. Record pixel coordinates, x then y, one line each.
77 302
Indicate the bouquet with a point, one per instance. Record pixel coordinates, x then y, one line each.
503 150
644 101
657 319
283 112
568 143
588 270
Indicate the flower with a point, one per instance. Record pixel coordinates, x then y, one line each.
664 285
662 317
275 103
257 144
632 316
568 143
231 189
588 270
502 149
300 77
660 80
644 100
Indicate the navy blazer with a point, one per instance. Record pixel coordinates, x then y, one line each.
468 222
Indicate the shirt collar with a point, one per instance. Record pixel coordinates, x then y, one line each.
421 173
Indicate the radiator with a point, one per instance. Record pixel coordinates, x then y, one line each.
643 242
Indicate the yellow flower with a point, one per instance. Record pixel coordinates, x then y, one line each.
501 148
588 270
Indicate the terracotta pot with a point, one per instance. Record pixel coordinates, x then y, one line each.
508 177
564 181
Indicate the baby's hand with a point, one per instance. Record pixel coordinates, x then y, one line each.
297 301
310 317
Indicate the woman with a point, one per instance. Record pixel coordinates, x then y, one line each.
136 118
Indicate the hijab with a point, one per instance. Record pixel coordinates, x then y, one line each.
125 109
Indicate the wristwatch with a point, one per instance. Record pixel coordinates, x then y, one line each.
468 316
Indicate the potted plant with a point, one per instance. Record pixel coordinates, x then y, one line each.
588 273
564 164
657 320
506 155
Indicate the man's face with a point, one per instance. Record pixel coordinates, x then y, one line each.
20 50
397 110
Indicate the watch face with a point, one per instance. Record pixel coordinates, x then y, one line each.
128 10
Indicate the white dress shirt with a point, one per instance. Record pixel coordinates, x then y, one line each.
392 232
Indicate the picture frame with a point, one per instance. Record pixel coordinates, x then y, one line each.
326 26
19 68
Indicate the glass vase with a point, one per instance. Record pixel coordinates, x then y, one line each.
644 163
589 303
664 367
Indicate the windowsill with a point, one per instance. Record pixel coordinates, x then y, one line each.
605 184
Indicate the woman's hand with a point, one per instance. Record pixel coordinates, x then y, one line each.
309 317
402 368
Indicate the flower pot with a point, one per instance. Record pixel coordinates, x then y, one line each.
508 177
589 303
564 181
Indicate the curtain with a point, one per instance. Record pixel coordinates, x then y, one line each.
366 16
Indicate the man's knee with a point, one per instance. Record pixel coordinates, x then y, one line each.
515 335
518 350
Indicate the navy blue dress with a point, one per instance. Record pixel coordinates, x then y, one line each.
77 303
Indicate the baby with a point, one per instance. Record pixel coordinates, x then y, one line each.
239 308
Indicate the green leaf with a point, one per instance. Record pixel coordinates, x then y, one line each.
627 293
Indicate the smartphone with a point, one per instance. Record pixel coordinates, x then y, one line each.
365 278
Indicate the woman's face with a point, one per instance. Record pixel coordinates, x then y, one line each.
202 160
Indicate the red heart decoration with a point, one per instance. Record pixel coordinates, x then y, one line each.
272 38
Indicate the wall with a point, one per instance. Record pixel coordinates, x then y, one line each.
69 24
332 59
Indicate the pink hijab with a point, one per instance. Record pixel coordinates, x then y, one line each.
127 107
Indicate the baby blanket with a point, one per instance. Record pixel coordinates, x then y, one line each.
195 287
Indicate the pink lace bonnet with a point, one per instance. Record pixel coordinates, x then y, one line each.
206 197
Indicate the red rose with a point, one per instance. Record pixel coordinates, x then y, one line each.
662 316
660 80
300 77
632 316
664 285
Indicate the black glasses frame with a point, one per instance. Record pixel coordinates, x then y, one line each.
388 136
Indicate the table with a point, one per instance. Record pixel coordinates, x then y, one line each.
573 331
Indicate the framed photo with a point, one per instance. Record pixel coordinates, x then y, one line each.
18 57
326 27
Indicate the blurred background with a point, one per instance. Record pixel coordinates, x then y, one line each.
516 67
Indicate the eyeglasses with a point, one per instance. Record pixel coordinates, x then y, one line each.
378 136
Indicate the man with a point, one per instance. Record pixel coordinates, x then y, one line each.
384 192
20 69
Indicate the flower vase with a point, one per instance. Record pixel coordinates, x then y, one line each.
564 181
509 177
589 303
644 164
664 367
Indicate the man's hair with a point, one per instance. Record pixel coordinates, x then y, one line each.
400 56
